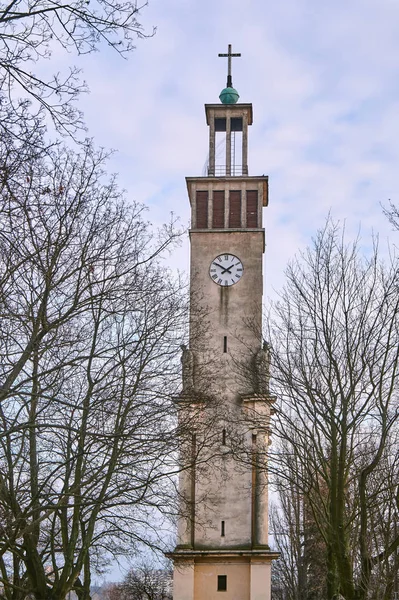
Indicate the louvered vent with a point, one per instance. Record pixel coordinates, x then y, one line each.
252 208
218 210
202 210
235 209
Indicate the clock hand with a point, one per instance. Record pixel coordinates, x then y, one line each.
223 269
227 270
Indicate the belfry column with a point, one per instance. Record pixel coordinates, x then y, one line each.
245 145
228 146
211 167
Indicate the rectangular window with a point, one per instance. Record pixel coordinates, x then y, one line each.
235 209
218 210
202 210
222 583
225 343
252 208
223 442
222 529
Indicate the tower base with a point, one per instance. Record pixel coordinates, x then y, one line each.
197 574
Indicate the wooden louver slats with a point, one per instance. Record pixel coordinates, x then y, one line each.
252 208
235 209
218 210
202 210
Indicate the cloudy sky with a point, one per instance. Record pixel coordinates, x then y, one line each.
324 82
323 78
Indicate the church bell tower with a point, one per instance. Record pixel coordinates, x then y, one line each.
222 550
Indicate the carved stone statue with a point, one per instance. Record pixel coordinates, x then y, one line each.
262 369
187 361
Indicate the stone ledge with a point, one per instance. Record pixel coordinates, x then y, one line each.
223 554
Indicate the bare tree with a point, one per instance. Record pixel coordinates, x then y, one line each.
91 321
335 342
300 572
392 213
144 582
30 32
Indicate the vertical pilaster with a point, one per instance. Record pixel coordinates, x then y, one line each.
243 205
260 206
260 586
254 490
185 524
261 506
226 207
210 209
183 580
194 206
192 488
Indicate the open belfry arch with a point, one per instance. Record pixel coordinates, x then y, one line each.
222 549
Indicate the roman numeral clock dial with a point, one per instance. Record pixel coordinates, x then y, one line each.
226 269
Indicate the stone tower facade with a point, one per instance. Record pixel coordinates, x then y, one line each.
222 551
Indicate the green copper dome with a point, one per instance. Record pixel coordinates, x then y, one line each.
229 96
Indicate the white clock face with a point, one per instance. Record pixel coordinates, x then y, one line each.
226 269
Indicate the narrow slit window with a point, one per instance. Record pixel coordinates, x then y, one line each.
223 442
222 583
222 530
225 343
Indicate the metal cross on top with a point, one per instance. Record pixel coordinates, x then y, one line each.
229 55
